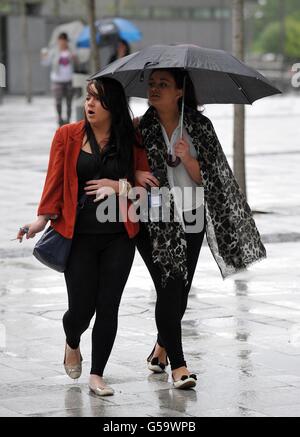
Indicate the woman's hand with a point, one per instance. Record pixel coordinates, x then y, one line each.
145 178
34 228
101 187
182 150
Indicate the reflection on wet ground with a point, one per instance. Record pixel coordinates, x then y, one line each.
241 336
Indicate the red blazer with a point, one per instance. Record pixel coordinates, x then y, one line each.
61 185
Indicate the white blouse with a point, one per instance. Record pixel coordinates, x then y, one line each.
193 196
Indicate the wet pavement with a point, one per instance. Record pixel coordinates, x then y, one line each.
241 336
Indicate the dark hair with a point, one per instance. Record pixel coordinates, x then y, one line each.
125 43
178 75
122 134
64 36
114 56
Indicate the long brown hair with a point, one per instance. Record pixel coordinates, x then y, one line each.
178 75
112 97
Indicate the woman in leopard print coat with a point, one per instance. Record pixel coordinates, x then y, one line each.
170 253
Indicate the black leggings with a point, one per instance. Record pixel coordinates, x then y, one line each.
96 274
172 300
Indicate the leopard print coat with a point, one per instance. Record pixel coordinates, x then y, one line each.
231 232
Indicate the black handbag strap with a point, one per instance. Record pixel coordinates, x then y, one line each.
97 154
81 202
83 198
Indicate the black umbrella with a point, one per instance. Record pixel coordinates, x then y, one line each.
218 77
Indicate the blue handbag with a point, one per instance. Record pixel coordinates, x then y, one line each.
53 249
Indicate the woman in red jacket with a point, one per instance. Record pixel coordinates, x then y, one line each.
102 252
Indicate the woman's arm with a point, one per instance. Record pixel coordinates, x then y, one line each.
143 175
51 200
193 168
52 196
32 228
182 150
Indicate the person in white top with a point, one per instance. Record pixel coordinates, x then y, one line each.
190 196
61 59
181 170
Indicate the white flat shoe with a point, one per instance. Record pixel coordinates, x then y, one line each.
74 371
186 382
155 365
102 391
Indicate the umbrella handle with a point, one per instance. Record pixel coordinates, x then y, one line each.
182 108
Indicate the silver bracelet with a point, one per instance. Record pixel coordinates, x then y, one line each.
124 187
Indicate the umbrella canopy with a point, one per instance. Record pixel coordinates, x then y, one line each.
73 29
114 27
127 30
218 77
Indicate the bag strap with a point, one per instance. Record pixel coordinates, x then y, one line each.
83 198
81 202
